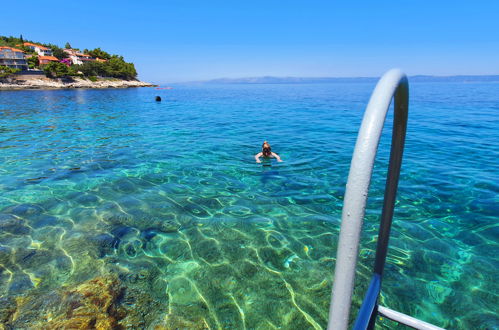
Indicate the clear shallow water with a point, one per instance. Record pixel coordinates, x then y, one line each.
167 198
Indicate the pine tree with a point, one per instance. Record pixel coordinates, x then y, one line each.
22 40
67 46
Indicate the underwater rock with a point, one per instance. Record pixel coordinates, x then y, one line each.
140 216
208 250
130 202
247 270
173 321
83 216
23 210
276 240
105 243
156 178
5 255
20 284
175 249
167 226
7 308
141 309
159 286
132 248
119 219
25 257
87 199
44 221
273 258
122 231
182 292
143 222
212 204
76 245
195 210
109 207
124 186
148 234
14 225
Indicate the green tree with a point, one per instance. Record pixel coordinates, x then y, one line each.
56 69
27 50
67 46
6 71
118 68
93 68
33 61
97 52
57 51
10 41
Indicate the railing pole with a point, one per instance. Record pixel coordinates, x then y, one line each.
359 178
398 140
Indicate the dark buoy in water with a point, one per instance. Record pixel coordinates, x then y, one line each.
158 98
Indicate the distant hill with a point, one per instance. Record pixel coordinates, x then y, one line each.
305 80
490 78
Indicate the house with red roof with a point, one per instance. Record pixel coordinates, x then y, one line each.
47 59
39 49
13 58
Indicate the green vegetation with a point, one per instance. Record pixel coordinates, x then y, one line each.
114 66
26 50
5 71
58 69
32 62
98 53
58 52
11 41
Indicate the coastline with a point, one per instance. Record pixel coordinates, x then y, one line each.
63 83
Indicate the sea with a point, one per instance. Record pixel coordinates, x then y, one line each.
119 210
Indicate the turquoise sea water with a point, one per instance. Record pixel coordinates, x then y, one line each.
167 197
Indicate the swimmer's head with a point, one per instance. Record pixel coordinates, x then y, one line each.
266 150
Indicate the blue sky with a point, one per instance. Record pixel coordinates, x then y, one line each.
184 40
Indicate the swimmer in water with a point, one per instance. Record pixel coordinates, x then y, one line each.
267 153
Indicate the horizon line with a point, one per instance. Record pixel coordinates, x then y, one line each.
303 79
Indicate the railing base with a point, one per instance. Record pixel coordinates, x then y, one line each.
406 319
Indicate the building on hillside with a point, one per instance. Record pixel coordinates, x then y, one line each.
13 58
80 58
47 59
86 58
73 56
39 49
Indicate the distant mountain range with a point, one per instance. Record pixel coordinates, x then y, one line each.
322 80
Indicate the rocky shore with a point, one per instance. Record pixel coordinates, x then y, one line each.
58 83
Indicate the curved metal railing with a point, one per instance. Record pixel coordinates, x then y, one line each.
392 84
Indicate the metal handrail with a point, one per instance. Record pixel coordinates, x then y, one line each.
392 84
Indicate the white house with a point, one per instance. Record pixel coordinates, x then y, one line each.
79 58
39 49
73 56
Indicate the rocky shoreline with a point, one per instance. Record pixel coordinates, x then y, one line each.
61 83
